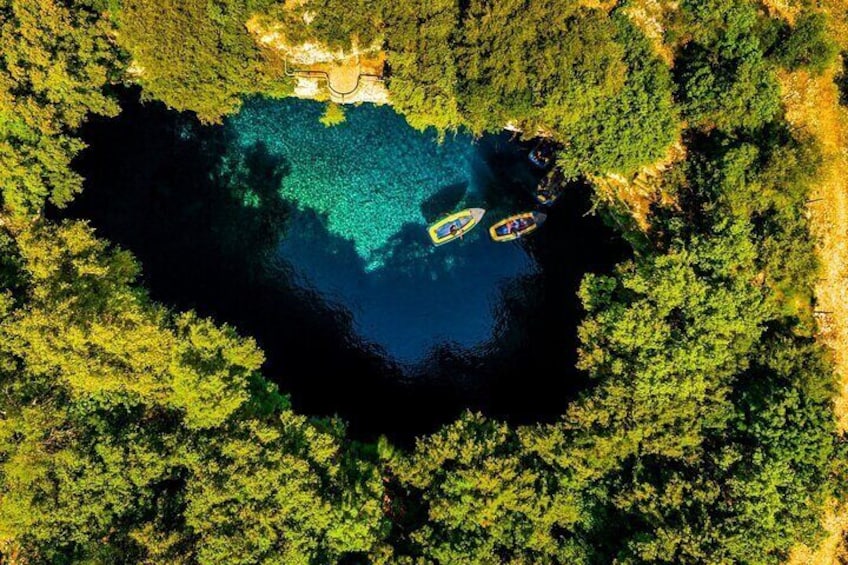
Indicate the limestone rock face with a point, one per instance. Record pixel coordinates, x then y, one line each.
343 76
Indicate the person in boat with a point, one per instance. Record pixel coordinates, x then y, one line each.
541 160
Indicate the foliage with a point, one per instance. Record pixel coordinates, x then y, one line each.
631 129
423 80
55 58
130 433
808 45
144 430
334 115
197 55
345 24
670 332
725 79
682 428
487 501
509 73
590 78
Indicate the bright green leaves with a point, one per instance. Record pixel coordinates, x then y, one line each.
737 90
55 60
277 493
511 73
84 324
131 434
423 83
487 501
124 425
758 485
36 167
689 311
196 55
333 115
69 265
210 370
114 345
590 78
711 420
807 45
632 128
343 24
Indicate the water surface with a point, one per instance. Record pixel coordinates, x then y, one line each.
313 240
360 196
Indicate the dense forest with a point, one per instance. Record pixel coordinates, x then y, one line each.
133 433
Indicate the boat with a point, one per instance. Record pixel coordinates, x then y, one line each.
455 226
550 188
542 154
516 226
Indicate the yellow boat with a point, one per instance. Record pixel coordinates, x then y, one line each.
455 226
516 226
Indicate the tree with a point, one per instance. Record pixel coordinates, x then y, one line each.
334 115
590 79
487 501
280 492
197 55
420 40
629 130
55 59
130 432
807 44
667 334
724 77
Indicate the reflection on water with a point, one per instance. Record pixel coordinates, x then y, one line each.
314 242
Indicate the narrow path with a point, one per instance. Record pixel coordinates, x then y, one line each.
343 79
812 105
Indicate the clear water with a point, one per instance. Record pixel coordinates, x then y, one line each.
362 194
313 241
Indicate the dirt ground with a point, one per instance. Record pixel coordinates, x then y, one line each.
812 105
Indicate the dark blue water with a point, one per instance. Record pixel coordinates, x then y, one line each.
361 195
313 241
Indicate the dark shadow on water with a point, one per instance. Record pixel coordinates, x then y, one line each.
526 372
208 237
448 198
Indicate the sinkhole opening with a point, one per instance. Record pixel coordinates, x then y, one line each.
313 240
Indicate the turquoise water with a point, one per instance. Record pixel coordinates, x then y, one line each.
362 194
366 178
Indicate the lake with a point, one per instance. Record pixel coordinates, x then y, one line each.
313 240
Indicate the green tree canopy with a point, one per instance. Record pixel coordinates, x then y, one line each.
55 59
131 432
725 79
197 55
